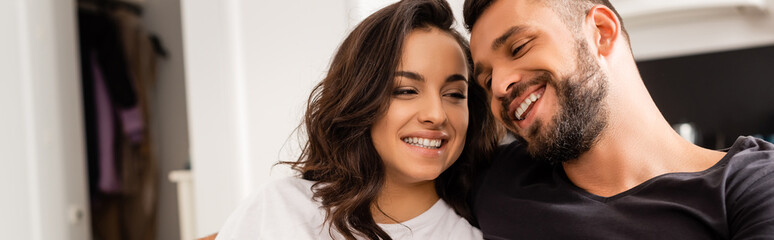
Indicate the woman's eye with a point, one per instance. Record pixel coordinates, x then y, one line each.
404 91
458 95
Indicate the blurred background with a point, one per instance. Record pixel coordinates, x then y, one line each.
152 119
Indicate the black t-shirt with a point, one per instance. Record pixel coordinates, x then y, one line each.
521 198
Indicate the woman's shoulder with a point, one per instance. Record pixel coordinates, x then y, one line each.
280 194
275 209
286 185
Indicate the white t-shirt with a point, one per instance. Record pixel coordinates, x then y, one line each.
284 209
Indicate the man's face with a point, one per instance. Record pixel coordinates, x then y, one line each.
544 83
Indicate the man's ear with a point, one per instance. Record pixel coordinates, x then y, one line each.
606 28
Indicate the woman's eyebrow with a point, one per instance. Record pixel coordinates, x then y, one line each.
456 77
418 77
410 75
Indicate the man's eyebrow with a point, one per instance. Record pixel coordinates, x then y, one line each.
499 41
411 75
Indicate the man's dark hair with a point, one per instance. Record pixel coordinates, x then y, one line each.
572 12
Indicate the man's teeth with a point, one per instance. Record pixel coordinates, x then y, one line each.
532 98
424 142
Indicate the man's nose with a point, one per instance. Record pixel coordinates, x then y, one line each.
503 81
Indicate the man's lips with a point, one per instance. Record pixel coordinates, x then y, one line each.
520 91
517 102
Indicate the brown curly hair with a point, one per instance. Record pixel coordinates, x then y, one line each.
339 154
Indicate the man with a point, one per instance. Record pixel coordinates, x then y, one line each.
596 159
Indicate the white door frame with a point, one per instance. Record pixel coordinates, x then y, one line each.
43 166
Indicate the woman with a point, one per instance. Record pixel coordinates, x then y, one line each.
395 131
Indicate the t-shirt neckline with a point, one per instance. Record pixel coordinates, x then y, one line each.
434 212
731 151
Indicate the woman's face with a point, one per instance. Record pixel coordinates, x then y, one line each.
423 131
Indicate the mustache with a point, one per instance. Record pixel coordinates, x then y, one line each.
519 88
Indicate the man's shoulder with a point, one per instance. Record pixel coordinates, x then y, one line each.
750 188
514 158
751 148
749 161
515 147
512 169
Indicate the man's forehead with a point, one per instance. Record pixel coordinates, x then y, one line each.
498 18
504 16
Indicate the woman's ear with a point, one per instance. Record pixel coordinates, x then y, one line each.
606 28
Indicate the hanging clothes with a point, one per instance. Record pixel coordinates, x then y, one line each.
118 70
140 168
108 174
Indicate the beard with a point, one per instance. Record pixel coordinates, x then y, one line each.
581 118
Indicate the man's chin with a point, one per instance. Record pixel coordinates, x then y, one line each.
544 146
535 149
530 134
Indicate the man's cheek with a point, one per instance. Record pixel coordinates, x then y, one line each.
496 109
495 105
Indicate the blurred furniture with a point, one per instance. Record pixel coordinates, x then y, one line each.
185 203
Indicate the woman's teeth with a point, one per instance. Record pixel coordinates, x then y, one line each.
424 142
532 98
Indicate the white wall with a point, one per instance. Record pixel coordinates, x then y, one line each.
42 167
14 180
211 87
687 32
249 68
286 46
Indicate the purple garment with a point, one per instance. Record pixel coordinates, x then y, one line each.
108 177
132 123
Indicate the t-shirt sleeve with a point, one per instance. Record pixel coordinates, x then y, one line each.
280 209
751 208
753 216
234 228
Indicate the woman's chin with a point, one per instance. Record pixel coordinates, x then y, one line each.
421 176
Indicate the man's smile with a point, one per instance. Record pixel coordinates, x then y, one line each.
519 107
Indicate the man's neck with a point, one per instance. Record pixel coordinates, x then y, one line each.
400 202
637 145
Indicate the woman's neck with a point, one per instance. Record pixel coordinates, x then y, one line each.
398 203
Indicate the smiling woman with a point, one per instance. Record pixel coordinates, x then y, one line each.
396 132
423 130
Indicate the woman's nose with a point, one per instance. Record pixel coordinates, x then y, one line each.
432 112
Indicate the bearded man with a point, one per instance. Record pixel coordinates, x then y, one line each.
595 159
